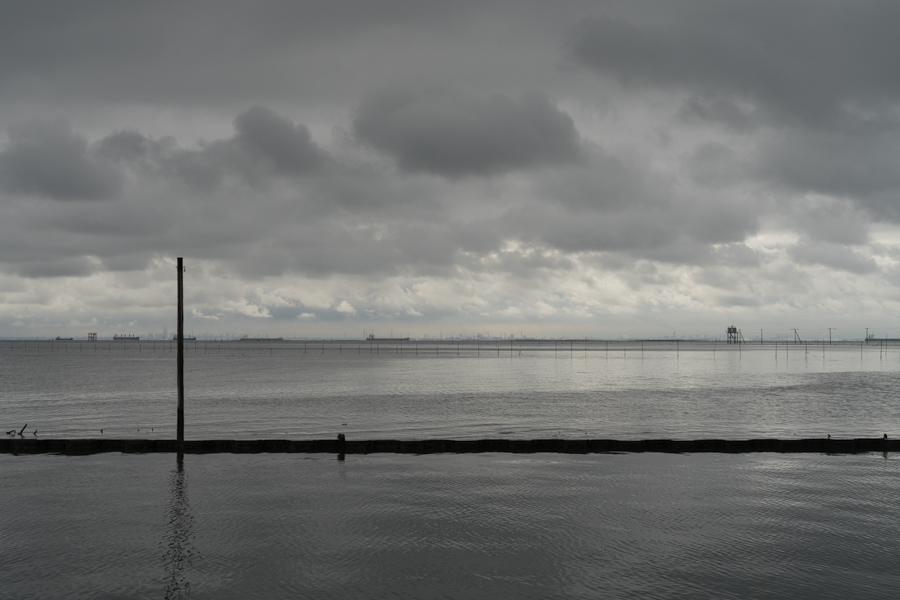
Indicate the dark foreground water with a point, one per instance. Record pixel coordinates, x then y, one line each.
466 526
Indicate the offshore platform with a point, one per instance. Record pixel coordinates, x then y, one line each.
734 335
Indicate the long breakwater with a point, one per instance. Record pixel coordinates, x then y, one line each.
515 446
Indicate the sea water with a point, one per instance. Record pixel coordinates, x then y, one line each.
449 526
462 391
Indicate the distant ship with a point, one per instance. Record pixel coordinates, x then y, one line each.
872 339
62 339
187 338
126 338
372 338
246 338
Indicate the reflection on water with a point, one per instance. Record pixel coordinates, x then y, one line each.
486 526
179 541
526 390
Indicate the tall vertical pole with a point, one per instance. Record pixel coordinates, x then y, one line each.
180 353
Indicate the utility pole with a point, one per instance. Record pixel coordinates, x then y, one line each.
829 335
180 430
797 339
760 336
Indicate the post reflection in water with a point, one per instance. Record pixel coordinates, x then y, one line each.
179 541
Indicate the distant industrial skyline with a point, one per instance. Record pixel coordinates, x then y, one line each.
577 168
799 335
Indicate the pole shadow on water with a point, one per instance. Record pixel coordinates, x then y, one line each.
179 551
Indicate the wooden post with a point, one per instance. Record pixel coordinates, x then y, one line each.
180 430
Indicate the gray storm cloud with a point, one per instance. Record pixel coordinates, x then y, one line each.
288 148
819 79
862 165
45 158
801 60
265 144
453 134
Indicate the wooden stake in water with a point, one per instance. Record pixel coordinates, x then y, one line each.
180 430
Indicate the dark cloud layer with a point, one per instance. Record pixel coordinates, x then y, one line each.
805 61
45 158
864 166
452 134
265 144
269 137
206 51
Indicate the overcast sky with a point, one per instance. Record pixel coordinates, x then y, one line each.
600 168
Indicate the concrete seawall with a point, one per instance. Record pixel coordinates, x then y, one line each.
23 445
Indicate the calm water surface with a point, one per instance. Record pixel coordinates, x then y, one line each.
450 526
298 389
476 526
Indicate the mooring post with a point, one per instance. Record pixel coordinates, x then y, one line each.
180 430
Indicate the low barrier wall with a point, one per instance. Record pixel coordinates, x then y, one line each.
23 445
